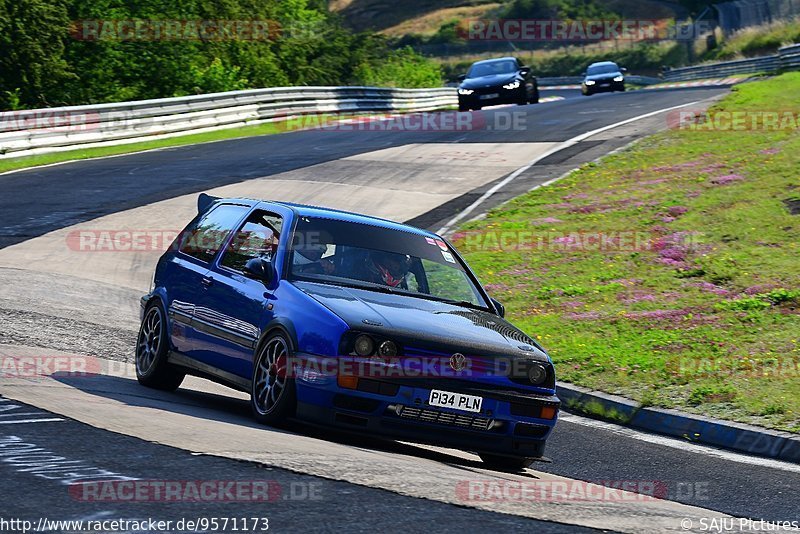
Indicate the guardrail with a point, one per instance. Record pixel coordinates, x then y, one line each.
790 57
576 80
787 58
66 128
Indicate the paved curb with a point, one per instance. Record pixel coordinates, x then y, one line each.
711 82
695 428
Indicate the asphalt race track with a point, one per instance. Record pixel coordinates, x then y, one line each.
61 300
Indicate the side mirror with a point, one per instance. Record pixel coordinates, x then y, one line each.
461 77
501 310
259 269
525 71
583 74
623 69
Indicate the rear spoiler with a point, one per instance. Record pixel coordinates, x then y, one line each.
204 202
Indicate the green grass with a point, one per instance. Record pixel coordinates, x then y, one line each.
758 40
703 315
269 128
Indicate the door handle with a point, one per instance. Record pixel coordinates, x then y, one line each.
207 282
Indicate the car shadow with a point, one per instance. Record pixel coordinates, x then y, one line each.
229 409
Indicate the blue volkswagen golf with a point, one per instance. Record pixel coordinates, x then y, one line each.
345 320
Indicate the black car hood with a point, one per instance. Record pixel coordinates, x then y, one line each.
495 80
603 77
424 323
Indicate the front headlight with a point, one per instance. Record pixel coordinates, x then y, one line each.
512 85
465 91
368 345
619 78
364 346
531 373
589 82
537 374
387 349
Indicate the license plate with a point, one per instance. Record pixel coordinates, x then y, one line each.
490 95
456 401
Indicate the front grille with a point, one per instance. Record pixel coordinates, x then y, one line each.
445 418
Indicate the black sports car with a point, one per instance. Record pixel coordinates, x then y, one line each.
603 76
497 81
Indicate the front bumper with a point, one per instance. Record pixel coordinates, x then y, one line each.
483 97
510 422
601 87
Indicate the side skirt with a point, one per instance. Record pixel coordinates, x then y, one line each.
203 370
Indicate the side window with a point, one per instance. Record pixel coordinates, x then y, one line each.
448 283
257 237
203 239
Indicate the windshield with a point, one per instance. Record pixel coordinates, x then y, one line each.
379 259
602 69
491 68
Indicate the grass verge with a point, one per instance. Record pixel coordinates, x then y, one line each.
690 297
292 124
758 40
23 162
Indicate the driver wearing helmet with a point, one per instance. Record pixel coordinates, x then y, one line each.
388 268
308 259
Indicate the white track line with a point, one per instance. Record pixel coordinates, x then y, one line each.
683 445
30 421
566 144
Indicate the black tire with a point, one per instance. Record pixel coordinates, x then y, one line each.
506 463
273 398
477 108
622 89
463 108
152 347
535 98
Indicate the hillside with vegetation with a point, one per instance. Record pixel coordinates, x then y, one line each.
437 30
45 60
425 17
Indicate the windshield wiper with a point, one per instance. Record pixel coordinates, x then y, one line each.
454 302
465 304
380 288
346 282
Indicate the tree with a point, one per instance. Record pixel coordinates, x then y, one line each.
32 65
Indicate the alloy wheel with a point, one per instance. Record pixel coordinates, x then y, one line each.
270 377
